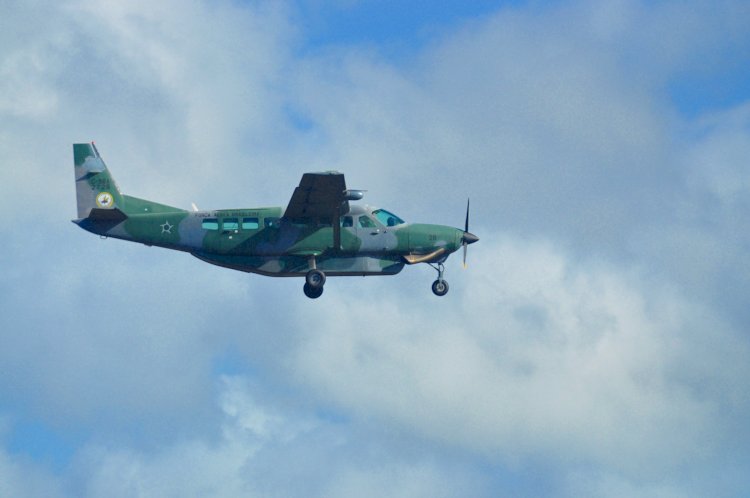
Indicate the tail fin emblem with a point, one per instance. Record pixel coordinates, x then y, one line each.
104 200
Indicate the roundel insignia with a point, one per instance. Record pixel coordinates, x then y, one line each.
105 200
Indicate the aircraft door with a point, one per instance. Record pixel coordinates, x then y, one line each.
349 240
372 236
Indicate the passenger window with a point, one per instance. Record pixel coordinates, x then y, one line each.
250 223
347 221
365 222
210 224
231 224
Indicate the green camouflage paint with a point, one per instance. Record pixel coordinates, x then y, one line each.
333 236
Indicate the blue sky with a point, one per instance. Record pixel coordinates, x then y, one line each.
385 23
596 346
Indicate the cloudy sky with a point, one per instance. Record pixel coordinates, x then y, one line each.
598 344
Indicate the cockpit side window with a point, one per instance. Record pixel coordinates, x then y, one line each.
366 222
347 221
386 218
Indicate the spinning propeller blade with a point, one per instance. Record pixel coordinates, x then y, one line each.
468 238
466 225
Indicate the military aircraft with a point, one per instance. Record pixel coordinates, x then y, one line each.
319 234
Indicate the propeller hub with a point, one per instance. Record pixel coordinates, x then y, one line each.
469 238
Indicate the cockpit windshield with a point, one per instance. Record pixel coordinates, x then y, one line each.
387 219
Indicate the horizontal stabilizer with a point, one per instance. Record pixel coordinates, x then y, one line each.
115 214
100 220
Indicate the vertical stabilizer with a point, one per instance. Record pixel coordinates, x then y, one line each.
95 187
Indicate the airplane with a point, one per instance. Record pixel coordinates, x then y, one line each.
319 233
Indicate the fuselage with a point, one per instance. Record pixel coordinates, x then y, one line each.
369 241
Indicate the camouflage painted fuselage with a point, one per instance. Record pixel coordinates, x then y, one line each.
355 241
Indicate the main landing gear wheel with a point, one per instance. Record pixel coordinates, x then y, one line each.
312 292
314 281
440 287
315 278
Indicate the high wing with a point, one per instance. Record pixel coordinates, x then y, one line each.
319 195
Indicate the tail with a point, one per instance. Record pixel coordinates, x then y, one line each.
97 194
96 191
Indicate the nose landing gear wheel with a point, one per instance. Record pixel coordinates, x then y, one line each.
312 292
440 287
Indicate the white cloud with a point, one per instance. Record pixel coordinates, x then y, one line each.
606 333
717 160
23 477
245 458
188 468
613 486
25 91
540 358
207 82
29 63
519 111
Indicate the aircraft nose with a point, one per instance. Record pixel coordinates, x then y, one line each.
469 238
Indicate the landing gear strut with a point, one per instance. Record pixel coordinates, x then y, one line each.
439 286
314 281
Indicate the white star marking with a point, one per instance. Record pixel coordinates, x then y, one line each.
166 227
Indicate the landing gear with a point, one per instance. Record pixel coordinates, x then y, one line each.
440 286
312 292
314 281
315 278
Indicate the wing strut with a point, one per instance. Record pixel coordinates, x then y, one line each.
336 220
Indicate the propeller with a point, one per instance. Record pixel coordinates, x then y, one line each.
467 238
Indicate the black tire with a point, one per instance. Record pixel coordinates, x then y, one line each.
312 292
440 287
315 278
